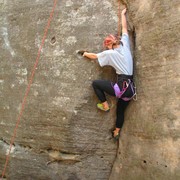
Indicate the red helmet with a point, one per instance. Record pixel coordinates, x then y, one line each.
110 39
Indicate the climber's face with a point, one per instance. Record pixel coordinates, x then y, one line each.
108 47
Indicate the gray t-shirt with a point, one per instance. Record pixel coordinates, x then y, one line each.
120 58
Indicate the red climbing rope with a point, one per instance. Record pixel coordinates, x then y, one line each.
28 87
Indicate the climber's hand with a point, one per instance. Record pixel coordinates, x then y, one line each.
81 52
124 11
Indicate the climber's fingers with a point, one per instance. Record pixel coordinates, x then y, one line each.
81 52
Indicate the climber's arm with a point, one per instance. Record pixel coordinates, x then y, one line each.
90 55
124 22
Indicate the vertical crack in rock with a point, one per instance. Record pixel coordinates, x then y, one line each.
132 35
61 126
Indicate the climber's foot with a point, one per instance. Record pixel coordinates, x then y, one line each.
103 107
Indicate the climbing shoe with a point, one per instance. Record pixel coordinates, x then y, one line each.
116 137
101 107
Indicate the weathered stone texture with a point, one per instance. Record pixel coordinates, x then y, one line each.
150 142
61 134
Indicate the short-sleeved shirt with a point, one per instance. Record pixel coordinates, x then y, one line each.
120 58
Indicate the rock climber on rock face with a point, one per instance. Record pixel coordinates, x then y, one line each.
119 57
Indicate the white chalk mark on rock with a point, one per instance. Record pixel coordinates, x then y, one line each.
4 32
71 40
69 3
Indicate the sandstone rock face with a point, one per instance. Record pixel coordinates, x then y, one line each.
150 142
61 134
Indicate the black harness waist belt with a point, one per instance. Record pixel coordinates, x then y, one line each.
123 76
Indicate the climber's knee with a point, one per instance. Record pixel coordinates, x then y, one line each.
94 83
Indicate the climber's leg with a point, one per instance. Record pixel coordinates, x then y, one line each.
101 87
121 107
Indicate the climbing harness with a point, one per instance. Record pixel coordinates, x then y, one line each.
119 92
28 88
127 82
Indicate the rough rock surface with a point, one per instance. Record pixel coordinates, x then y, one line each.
150 142
61 134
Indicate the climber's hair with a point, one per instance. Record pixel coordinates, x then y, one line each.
110 39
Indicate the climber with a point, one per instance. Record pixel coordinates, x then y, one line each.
118 56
